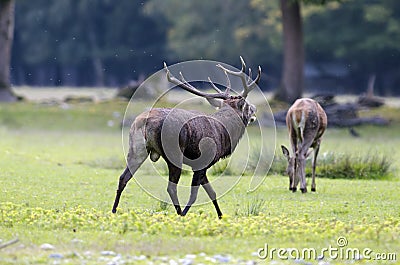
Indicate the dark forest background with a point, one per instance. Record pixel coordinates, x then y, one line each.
111 42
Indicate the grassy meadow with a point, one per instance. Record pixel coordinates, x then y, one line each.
59 169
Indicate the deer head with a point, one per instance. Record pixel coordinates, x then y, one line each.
290 169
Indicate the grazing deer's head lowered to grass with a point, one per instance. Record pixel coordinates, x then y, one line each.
189 137
306 122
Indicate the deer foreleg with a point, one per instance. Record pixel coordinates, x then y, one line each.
303 182
211 193
293 180
197 178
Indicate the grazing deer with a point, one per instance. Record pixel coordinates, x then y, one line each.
306 122
189 137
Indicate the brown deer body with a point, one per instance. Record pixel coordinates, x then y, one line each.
306 122
189 137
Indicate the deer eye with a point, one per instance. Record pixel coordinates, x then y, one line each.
241 104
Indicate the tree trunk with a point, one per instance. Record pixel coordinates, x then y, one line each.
6 38
291 86
97 63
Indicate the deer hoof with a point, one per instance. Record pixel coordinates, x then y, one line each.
290 188
304 190
294 189
313 189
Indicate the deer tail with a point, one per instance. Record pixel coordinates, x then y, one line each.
300 124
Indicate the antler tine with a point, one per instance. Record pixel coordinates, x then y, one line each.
243 64
186 86
247 82
258 77
170 77
250 76
239 73
251 85
228 83
184 81
181 83
214 86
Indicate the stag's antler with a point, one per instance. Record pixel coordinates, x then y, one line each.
248 83
188 87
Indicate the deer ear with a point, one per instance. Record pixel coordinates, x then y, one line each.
285 151
215 102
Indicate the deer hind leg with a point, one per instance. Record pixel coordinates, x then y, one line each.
123 179
174 176
211 193
136 156
314 164
197 179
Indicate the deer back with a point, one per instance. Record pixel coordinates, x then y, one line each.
306 120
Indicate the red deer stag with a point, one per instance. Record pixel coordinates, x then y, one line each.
306 122
189 137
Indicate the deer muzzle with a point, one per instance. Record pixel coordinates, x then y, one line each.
253 119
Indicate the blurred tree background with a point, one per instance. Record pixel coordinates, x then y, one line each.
110 42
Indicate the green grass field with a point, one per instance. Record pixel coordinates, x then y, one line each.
59 169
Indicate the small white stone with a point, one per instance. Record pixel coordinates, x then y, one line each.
187 262
210 259
56 256
76 241
163 259
87 254
47 246
172 262
221 258
141 257
103 259
108 253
